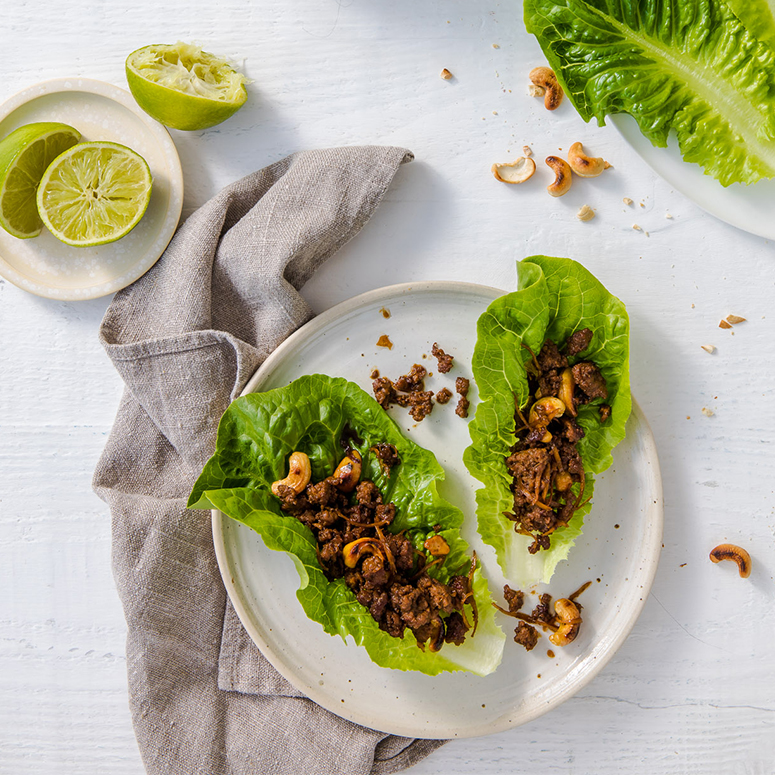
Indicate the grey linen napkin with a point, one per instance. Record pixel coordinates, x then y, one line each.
185 338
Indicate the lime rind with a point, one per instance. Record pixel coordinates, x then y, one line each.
183 87
24 156
94 193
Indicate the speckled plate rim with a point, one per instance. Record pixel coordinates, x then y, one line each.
641 580
174 209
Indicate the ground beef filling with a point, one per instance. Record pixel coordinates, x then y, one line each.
385 571
545 466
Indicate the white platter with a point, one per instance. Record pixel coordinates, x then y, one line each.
747 207
262 583
99 111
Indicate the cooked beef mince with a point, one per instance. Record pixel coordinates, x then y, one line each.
605 412
590 381
526 636
515 598
444 360
563 620
420 403
384 391
386 573
546 469
407 391
387 455
461 386
413 380
578 342
443 396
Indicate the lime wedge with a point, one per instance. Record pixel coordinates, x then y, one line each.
183 87
24 156
94 193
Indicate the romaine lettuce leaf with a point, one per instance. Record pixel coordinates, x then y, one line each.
555 297
690 66
256 435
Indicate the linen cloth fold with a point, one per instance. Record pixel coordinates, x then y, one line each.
185 338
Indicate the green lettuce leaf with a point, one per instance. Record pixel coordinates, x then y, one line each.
555 297
690 66
256 435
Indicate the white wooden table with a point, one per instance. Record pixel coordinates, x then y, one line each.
693 689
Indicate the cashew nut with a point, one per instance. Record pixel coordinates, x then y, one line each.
585 166
543 411
438 631
566 391
585 213
299 473
735 553
562 176
437 546
348 472
516 171
545 78
567 613
353 551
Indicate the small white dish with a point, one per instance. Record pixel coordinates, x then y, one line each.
99 111
747 207
618 550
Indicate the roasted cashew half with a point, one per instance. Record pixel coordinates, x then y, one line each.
736 554
585 166
547 80
299 473
562 176
570 620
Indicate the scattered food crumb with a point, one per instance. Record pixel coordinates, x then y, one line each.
636 227
668 216
374 374
445 74
527 150
495 112
682 565
385 312
724 324
735 319
642 205
707 412
495 45
384 341
627 200
585 213
709 348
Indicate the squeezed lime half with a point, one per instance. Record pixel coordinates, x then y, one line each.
94 193
24 156
183 87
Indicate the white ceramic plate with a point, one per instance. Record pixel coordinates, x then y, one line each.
99 111
747 207
620 562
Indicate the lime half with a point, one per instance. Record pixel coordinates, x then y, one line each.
183 87
94 193
24 156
